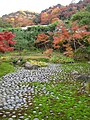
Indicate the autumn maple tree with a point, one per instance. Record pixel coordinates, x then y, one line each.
71 38
6 41
66 38
42 39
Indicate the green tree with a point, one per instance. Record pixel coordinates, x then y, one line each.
83 17
88 8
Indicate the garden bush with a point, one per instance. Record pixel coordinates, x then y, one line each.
26 38
82 54
22 42
61 59
6 41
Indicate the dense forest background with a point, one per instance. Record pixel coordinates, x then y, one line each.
47 16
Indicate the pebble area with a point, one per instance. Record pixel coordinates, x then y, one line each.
14 94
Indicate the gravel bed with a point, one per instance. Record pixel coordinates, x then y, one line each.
14 94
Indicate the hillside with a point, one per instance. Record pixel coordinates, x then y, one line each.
50 15
20 18
61 12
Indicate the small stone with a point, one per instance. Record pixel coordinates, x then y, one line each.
34 112
26 119
40 112
13 112
25 114
1 108
59 113
40 104
19 114
46 116
14 116
7 112
4 116
37 107
10 119
1 113
51 111
35 119
30 103
21 117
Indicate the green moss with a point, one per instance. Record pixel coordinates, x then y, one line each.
43 59
80 67
60 99
5 68
61 59
62 102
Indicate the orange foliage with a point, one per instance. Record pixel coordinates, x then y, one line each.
66 37
42 37
55 11
44 18
57 40
89 40
55 20
69 50
48 52
77 36
56 46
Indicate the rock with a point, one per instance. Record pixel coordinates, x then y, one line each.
30 66
10 119
75 73
21 117
14 116
1 113
85 78
35 66
18 62
4 116
87 87
35 119
26 119
1 101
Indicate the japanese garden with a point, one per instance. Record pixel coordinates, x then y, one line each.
45 63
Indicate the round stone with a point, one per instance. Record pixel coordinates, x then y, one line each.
1 113
10 119
4 116
21 117
35 119
40 112
26 119
14 116
34 112
40 104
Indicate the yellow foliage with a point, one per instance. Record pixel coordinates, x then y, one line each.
39 63
12 19
4 58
